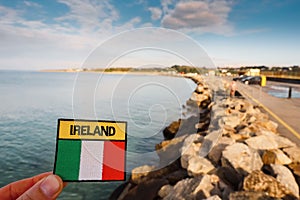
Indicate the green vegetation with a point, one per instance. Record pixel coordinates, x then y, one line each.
188 69
118 69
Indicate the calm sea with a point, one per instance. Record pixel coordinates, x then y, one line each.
31 103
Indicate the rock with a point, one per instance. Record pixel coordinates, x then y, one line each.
293 153
262 142
146 190
257 181
183 189
187 126
169 150
243 159
228 128
231 121
269 140
209 142
199 166
190 147
215 197
240 127
268 124
282 142
165 190
254 129
230 177
176 176
138 173
286 178
275 156
146 172
250 195
240 137
161 172
199 97
216 152
170 131
205 188
296 168
199 89
204 104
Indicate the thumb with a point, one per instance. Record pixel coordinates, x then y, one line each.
46 189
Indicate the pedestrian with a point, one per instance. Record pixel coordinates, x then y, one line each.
233 88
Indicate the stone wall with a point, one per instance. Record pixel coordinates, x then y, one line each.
226 149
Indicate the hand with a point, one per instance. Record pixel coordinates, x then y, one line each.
44 186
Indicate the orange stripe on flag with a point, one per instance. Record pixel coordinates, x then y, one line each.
113 161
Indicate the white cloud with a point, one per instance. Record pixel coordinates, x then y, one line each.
155 13
27 43
199 16
88 14
69 38
32 4
166 5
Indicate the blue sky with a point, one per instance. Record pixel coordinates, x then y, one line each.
45 34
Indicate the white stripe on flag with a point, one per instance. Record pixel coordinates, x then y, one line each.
91 159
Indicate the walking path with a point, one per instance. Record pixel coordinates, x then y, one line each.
285 111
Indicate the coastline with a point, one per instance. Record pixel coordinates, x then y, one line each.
230 150
115 72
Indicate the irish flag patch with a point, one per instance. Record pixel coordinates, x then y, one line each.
89 150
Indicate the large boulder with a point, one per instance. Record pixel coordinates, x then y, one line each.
169 150
250 195
165 190
147 190
214 197
199 89
216 152
183 189
296 169
198 166
138 173
199 97
176 176
181 127
257 181
268 125
281 141
293 153
231 121
206 188
262 142
275 156
269 140
190 147
209 141
170 131
286 178
242 158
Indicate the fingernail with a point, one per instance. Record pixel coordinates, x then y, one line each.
50 186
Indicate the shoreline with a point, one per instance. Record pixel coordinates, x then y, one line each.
237 154
115 72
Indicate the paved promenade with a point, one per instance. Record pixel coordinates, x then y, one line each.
286 112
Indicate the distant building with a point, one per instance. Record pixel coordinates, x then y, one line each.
253 72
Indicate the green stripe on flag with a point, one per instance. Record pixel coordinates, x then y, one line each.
68 159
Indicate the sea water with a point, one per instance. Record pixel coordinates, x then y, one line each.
282 91
31 103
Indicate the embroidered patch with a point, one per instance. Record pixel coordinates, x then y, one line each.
90 150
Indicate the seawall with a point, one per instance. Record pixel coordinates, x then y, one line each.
226 149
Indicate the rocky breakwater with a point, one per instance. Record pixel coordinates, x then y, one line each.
227 149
